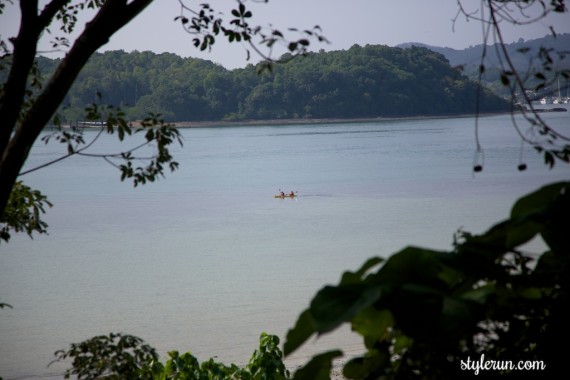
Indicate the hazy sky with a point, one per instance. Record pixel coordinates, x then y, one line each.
344 23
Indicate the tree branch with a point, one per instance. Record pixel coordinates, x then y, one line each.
12 96
50 10
112 16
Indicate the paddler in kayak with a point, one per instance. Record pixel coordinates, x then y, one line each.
282 194
292 194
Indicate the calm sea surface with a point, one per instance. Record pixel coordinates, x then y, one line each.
207 259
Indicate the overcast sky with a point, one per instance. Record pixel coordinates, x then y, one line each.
343 22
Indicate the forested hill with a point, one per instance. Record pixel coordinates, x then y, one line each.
362 82
520 52
523 54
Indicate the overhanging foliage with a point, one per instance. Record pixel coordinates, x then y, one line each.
421 312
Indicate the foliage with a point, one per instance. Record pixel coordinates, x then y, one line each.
423 311
368 81
187 367
28 100
23 212
267 361
319 367
113 356
543 69
205 25
118 356
158 136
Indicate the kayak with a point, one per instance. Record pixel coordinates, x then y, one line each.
285 196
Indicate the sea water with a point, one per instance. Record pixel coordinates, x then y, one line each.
207 259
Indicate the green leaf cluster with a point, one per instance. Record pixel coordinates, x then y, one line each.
113 356
163 135
23 212
266 363
118 356
205 24
158 137
421 311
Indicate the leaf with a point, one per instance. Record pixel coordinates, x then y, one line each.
531 293
417 310
149 136
458 316
121 133
204 44
319 367
550 264
373 323
366 367
333 306
351 278
479 295
413 263
304 328
548 208
402 342
538 200
520 232
498 239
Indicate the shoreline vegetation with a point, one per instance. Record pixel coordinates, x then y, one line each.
283 122
278 122
309 121
312 121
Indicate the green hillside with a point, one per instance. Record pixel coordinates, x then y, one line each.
525 55
362 82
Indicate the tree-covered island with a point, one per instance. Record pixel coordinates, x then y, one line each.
362 82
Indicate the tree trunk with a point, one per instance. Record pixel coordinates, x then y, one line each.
17 138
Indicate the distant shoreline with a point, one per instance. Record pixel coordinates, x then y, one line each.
286 122
275 122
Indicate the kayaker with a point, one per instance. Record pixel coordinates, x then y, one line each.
282 194
292 194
